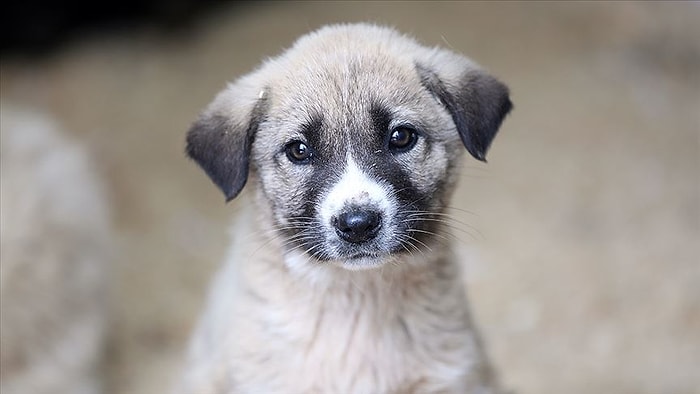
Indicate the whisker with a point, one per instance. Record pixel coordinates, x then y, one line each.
447 220
449 226
403 245
420 242
407 239
437 214
434 234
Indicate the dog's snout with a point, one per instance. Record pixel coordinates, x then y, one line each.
357 226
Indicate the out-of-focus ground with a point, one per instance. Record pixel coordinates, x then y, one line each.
585 272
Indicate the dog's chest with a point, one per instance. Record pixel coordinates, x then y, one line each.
357 343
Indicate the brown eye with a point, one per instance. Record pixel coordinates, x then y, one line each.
402 139
298 152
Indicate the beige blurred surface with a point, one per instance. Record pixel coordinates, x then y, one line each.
585 271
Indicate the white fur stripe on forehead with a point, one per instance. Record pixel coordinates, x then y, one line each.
356 188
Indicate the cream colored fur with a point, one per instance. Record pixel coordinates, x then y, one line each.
54 251
332 330
277 321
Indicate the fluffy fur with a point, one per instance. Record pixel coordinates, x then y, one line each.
299 306
54 249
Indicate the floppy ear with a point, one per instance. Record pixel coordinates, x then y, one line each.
477 102
221 138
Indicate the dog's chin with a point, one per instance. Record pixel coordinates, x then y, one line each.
361 262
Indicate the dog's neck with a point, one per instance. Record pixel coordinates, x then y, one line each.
272 303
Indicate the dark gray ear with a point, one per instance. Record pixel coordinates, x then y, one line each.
477 102
221 146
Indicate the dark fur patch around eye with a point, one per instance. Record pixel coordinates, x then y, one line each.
311 131
303 231
312 126
381 118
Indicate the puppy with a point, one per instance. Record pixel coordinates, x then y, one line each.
339 280
56 253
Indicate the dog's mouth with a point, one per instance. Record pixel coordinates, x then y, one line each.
363 256
356 242
341 254
361 261
344 255
323 245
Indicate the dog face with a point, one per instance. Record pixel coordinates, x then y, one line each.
354 136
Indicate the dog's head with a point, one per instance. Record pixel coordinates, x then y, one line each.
353 136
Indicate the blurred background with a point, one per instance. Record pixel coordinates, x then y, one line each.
584 274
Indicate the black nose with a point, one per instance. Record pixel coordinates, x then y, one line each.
357 226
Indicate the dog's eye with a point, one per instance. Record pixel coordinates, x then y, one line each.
298 152
402 139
